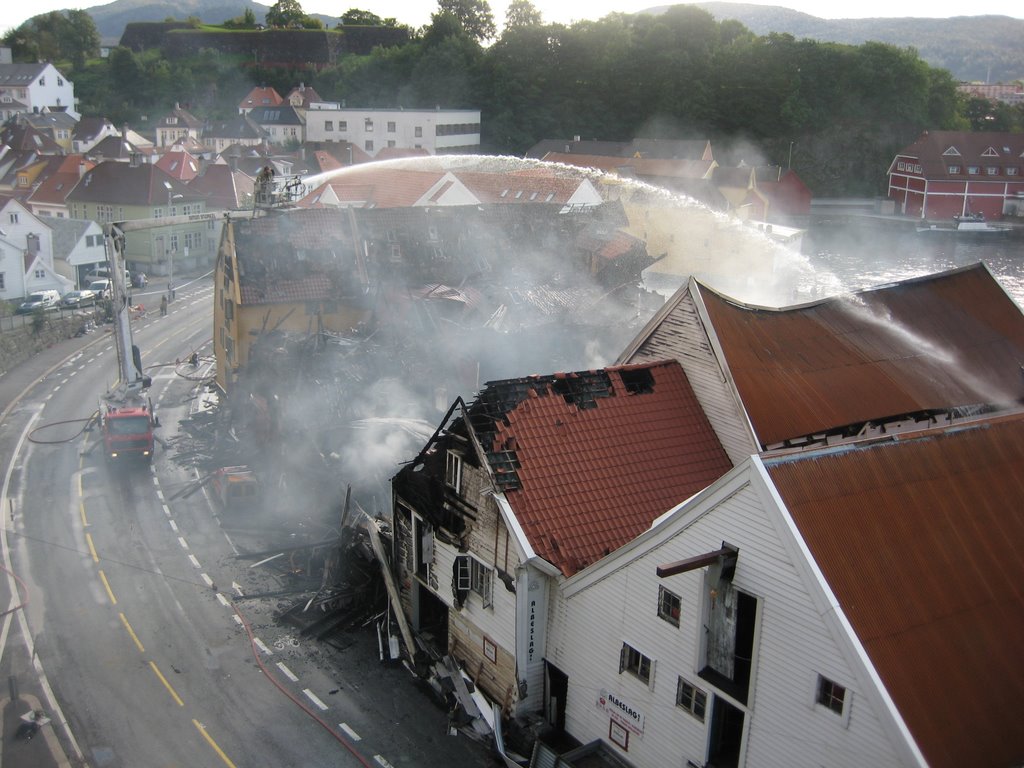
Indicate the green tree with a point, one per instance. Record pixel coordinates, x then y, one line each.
79 38
522 13
354 17
285 13
474 15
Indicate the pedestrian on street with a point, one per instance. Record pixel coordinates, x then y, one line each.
163 305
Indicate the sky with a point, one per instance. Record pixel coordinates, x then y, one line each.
416 13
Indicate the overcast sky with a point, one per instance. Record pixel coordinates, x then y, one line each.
416 13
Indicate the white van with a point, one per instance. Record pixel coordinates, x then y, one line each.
38 300
103 273
101 288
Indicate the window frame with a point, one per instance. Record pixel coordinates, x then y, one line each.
694 702
453 471
826 698
637 664
666 599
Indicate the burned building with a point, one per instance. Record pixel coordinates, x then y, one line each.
326 318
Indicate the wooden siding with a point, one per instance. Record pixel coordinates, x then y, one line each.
792 644
681 337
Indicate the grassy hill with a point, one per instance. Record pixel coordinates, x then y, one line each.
983 48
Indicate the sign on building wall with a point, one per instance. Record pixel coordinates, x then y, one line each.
621 711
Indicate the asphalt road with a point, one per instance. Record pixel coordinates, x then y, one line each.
127 621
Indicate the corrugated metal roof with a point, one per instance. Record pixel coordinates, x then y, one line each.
588 460
920 540
933 343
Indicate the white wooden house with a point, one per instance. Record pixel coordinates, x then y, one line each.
26 253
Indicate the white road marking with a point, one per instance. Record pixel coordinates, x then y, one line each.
237 587
349 732
262 646
287 672
224 601
236 617
207 579
174 527
193 559
312 697
382 762
184 544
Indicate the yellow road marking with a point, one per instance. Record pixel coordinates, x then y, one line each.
110 592
92 549
167 685
209 740
81 509
131 632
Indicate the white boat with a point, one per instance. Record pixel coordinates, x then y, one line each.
967 224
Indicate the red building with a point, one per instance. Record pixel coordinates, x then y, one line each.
950 173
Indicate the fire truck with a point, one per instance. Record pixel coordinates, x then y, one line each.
125 411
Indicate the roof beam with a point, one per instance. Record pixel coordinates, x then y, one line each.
726 556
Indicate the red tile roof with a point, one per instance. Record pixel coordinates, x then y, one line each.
589 460
932 343
639 167
54 189
260 97
920 540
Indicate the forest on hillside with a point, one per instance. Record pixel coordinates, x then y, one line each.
836 112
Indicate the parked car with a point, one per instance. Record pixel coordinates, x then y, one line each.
104 274
101 288
77 299
38 300
139 280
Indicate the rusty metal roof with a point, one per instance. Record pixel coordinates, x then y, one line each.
920 539
935 343
588 460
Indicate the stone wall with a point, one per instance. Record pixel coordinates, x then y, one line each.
270 46
19 344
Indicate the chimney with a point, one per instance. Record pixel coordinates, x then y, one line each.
81 168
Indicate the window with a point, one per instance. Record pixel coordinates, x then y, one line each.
992 170
328 125
39 274
831 695
634 662
369 145
953 170
691 698
342 125
453 471
104 213
901 166
174 243
391 143
368 125
668 606
42 80
391 126
3 284
1011 171
473 576
14 218
973 170
418 133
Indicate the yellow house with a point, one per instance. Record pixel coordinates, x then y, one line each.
284 274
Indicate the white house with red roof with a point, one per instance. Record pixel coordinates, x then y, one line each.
533 482
438 131
260 96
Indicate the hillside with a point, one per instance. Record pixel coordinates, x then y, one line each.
983 48
111 18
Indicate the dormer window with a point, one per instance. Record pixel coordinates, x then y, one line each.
952 151
953 170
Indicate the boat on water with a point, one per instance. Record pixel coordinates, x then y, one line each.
967 224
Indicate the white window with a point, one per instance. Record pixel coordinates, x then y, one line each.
342 125
973 170
992 170
418 132
14 218
368 125
39 274
328 125
691 698
453 470
635 663
391 126
471 575
669 606
953 170
901 166
1011 170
